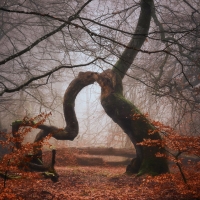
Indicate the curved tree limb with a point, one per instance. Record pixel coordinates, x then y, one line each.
71 130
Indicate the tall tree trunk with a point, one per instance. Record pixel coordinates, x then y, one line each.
123 111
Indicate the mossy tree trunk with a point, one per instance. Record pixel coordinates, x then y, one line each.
122 111
133 123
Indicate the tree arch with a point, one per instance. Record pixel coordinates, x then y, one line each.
122 112
116 106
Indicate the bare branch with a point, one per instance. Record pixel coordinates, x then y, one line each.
45 36
7 90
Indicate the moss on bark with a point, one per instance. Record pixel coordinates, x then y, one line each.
133 123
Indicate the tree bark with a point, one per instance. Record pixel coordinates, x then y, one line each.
133 123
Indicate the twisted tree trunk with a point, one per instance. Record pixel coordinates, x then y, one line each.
122 111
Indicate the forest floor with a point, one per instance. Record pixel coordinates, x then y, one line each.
95 173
